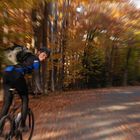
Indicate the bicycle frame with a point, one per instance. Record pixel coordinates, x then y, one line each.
15 121
12 113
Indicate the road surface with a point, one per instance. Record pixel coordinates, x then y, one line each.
101 114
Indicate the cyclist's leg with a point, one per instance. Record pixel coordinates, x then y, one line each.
24 110
7 96
22 89
8 81
7 101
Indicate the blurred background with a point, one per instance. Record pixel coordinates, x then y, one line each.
94 43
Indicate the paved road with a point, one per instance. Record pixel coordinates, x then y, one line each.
103 114
107 114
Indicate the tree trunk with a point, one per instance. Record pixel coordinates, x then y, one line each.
44 44
109 65
125 77
63 41
52 13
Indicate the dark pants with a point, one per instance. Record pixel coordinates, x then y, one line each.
15 80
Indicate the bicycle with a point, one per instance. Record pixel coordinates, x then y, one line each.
10 124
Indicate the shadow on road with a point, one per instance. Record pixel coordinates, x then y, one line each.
114 115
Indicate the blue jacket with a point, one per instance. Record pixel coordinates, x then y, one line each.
30 65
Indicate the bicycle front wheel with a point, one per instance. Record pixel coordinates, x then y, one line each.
30 126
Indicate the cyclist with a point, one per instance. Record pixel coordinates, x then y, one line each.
14 78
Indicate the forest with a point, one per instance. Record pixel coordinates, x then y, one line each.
94 43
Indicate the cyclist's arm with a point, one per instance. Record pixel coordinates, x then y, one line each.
36 75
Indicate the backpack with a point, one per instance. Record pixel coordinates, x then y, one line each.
16 54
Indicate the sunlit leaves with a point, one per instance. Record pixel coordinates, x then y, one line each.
110 26
116 23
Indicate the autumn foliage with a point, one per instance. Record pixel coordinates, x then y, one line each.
94 43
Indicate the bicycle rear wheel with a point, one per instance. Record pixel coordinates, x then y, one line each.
30 125
6 127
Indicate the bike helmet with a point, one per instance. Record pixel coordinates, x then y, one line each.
46 50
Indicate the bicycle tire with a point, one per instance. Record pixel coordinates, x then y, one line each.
29 124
